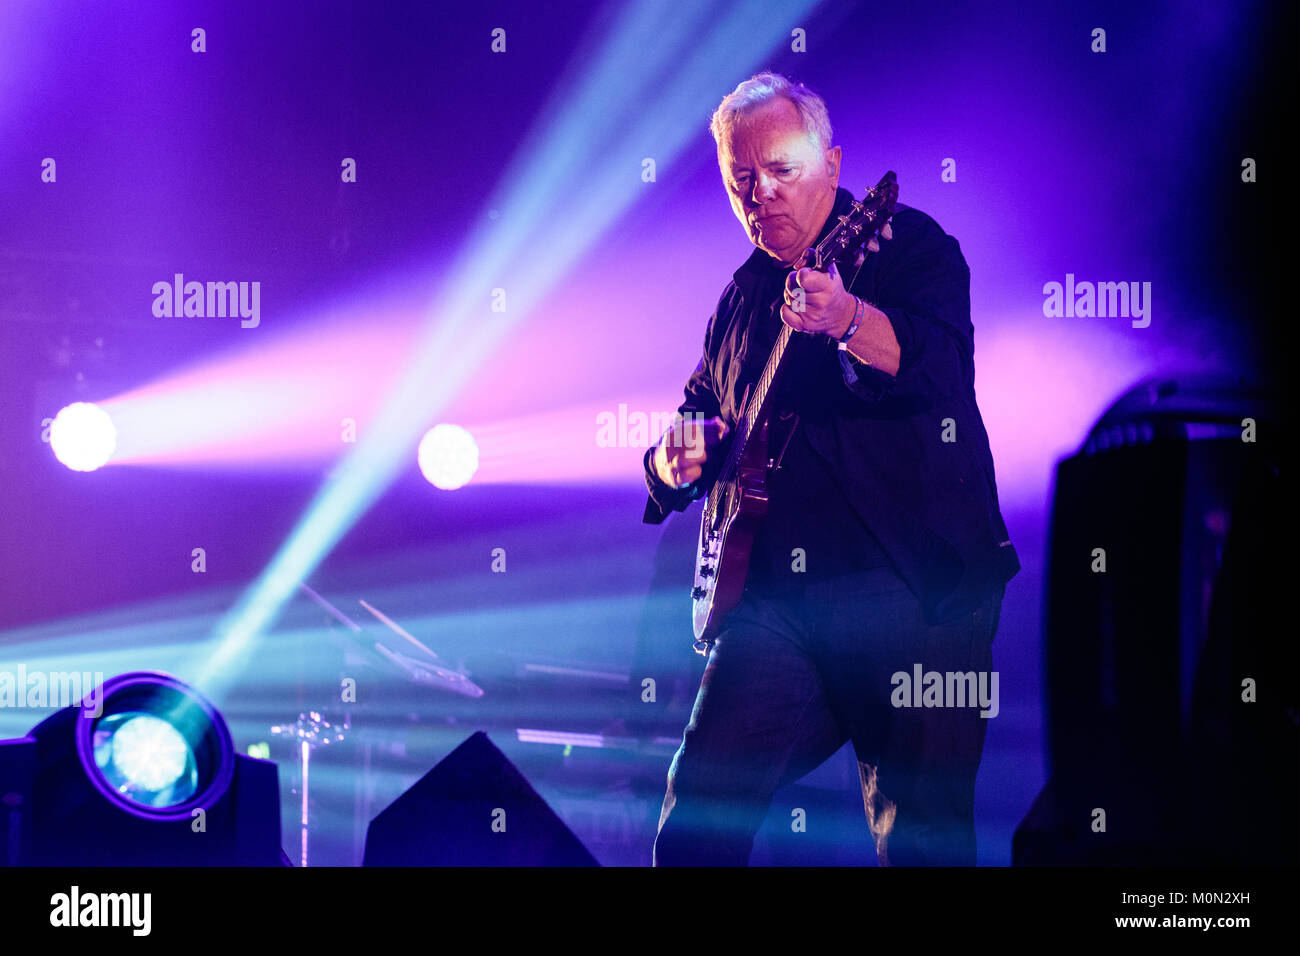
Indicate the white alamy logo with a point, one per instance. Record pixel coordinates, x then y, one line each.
946 689
636 429
75 908
1103 300
38 689
211 300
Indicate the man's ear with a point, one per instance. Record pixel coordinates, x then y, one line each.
833 165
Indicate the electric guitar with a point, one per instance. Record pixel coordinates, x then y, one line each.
737 502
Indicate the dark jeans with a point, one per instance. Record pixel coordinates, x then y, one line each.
789 679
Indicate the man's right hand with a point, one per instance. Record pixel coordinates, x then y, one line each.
679 459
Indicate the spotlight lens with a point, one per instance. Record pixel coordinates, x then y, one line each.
82 436
448 456
145 759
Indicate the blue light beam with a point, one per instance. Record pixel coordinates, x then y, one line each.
655 82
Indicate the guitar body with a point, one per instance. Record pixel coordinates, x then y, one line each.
727 539
737 503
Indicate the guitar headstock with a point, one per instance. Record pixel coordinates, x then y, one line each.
859 226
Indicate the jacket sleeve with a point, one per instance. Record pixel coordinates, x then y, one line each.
700 398
923 287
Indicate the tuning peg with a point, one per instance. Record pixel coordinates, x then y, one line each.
860 258
873 246
887 233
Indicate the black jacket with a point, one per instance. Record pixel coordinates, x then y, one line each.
932 504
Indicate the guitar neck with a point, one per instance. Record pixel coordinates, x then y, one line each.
754 405
854 229
737 501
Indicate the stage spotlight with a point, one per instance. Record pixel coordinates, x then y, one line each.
142 772
448 456
146 759
82 436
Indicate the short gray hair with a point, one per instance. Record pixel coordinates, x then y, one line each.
763 87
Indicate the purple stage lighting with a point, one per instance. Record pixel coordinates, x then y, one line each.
448 456
83 436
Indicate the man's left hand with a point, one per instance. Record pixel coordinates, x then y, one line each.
818 302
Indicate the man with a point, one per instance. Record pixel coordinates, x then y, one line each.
883 548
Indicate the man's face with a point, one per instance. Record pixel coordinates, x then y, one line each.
781 183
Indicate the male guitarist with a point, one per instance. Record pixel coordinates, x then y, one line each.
883 547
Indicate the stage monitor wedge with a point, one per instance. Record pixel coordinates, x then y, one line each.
473 809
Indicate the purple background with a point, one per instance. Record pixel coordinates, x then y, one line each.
225 165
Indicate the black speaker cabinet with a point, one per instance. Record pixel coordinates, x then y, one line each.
1165 596
472 809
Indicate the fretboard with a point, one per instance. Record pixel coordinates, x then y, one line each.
753 406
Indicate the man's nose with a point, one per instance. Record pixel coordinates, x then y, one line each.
764 188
